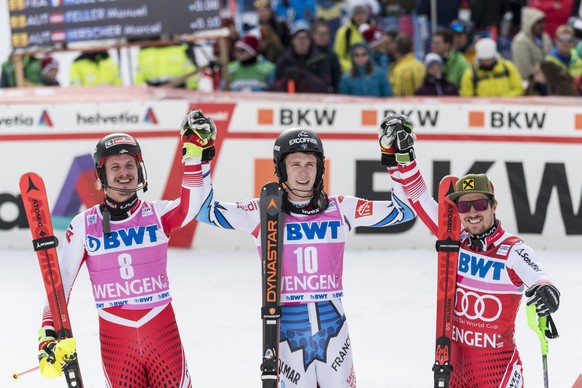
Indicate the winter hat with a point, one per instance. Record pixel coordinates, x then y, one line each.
360 8
432 58
565 33
472 183
486 48
47 64
262 3
300 25
372 35
249 43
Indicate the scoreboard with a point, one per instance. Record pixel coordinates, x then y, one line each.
50 22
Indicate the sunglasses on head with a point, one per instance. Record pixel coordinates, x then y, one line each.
478 204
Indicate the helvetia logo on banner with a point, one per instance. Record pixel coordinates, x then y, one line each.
122 118
17 120
107 119
24 120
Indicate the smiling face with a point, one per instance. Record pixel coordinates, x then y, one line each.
301 170
474 221
121 172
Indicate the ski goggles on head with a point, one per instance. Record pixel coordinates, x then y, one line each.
478 204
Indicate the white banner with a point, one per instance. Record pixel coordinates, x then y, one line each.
528 147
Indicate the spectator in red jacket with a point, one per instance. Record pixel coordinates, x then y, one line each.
557 13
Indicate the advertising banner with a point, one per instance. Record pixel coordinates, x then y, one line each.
530 151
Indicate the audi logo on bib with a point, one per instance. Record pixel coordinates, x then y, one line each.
471 305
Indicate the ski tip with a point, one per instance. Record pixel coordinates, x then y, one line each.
447 185
27 182
271 186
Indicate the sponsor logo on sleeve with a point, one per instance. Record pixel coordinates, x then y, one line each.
503 250
363 208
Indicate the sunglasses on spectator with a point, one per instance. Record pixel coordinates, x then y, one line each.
362 54
478 204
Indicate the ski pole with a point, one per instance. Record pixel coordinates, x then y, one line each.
540 326
16 375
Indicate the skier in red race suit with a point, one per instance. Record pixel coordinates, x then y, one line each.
124 242
494 268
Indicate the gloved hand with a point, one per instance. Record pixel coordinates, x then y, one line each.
53 355
546 297
396 138
198 133
47 343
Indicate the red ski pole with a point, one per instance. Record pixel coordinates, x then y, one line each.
16 375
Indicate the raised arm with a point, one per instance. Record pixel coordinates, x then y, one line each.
396 142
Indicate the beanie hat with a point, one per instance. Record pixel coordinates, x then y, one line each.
372 35
472 183
47 64
432 58
249 43
360 8
300 25
486 48
262 3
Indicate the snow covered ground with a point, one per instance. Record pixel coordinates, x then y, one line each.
389 302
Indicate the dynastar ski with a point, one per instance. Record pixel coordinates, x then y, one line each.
272 224
447 246
45 243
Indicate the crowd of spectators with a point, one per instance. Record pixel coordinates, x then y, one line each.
377 48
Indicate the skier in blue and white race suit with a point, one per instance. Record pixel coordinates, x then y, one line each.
315 349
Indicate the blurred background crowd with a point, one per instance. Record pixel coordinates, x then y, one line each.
377 48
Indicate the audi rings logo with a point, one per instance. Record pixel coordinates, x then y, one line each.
474 306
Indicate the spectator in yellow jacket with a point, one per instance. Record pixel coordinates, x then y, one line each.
491 76
565 54
166 66
95 68
407 73
348 34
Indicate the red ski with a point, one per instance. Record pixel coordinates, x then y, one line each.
45 243
447 246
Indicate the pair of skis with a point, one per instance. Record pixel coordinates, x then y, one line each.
272 225
45 243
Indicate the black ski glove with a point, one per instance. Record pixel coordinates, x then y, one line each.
546 297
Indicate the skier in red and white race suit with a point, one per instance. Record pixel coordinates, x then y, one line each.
494 267
315 348
124 243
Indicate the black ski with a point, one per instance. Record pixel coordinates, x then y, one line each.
272 224
45 243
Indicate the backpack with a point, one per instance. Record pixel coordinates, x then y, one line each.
476 79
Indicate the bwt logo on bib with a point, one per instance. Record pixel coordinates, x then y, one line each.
481 267
123 238
312 230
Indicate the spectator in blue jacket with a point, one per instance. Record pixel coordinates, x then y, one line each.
364 79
